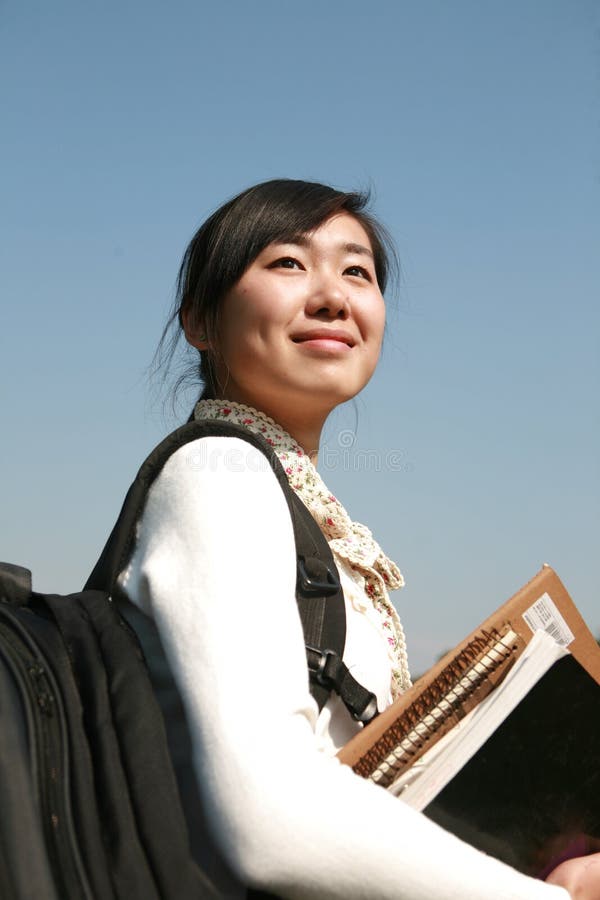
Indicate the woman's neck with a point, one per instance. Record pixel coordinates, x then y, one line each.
307 434
305 430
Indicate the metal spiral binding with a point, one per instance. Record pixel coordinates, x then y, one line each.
442 703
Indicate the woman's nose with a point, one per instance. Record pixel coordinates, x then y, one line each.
328 296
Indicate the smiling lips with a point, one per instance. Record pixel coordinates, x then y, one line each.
325 339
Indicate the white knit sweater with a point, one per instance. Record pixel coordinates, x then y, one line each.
215 565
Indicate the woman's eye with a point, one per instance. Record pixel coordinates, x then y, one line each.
286 262
359 272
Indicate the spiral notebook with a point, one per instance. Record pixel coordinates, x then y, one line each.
500 741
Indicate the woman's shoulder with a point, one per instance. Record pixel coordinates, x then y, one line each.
215 461
221 483
217 505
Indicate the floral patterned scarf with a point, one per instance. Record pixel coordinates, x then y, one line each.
349 541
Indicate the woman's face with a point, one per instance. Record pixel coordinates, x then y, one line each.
301 330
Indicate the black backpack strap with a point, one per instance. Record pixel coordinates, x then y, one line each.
318 589
322 611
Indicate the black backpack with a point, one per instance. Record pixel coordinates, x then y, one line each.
89 795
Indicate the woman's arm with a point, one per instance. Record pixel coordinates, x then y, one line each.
215 566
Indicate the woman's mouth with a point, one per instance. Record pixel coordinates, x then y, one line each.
325 339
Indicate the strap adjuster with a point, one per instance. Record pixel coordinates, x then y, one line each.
325 584
330 671
318 666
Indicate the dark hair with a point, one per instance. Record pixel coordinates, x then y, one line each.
233 236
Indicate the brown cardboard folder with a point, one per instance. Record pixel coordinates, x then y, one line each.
467 674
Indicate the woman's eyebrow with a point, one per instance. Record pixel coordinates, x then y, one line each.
358 248
303 240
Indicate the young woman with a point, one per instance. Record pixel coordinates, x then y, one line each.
281 294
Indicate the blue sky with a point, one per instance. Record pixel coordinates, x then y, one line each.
476 126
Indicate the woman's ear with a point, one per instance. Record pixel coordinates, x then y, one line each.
195 332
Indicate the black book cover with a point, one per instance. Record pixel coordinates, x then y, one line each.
530 796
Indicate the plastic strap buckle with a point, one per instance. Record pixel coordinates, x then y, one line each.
318 666
310 585
330 671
